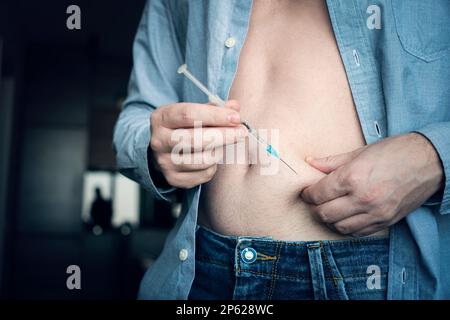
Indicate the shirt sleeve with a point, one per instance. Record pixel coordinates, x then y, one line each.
439 135
153 82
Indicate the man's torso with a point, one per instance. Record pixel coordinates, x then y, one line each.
290 77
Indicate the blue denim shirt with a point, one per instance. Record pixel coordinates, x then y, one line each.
400 80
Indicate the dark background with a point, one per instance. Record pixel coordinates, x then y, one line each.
60 94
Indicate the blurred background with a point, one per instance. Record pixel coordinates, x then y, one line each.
62 201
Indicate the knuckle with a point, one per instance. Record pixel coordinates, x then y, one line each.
309 196
342 229
155 143
373 194
186 114
352 179
315 199
323 215
367 197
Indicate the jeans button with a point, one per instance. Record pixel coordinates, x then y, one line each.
248 255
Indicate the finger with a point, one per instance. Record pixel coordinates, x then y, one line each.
170 162
327 189
201 139
186 115
194 167
374 228
336 210
197 161
331 163
161 140
189 180
354 224
233 104
230 104
378 226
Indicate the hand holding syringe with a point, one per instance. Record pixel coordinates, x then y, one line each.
214 99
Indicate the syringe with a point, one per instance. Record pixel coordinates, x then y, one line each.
214 99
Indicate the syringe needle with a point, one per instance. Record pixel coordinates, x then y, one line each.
269 148
287 165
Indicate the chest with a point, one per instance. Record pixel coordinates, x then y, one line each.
285 34
289 62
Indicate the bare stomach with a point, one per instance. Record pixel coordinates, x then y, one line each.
291 81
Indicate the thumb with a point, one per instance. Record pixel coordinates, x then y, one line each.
233 104
331 163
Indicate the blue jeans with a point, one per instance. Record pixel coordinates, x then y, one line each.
260 268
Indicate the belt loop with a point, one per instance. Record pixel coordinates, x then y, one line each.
317 273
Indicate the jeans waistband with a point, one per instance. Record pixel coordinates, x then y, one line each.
332 268
354 255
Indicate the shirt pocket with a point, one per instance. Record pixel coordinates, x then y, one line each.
423 27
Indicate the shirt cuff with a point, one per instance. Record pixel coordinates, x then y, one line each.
439 135
142 170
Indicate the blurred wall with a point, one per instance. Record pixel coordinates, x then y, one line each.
58 80
53 159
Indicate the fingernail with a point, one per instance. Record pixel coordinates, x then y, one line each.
308 159
234 118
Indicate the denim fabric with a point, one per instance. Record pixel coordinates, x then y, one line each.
320 270
399 77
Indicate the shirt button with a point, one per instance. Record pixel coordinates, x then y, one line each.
183 255
230 42
248 255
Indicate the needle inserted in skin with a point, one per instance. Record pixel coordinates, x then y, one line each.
218 101
269 147
288 165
